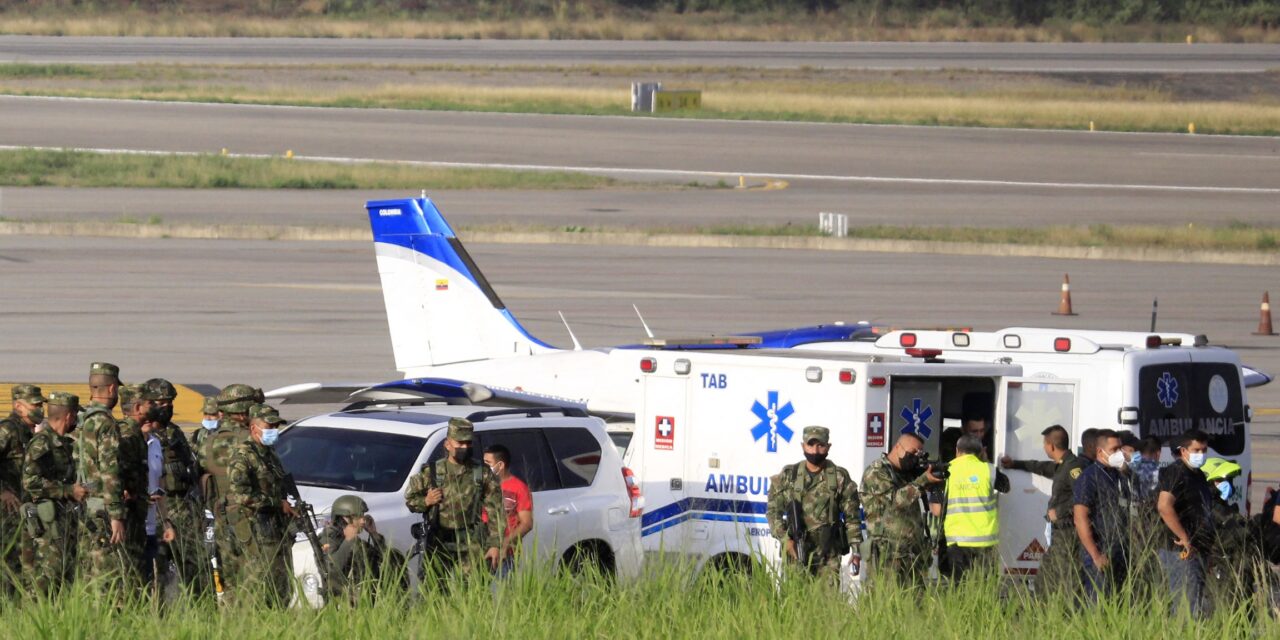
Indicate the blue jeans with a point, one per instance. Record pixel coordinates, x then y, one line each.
1186 580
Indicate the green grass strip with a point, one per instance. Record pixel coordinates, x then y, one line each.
46 168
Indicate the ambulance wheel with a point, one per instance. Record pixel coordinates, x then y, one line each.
589 555
728 564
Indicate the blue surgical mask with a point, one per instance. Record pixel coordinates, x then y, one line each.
269 437
1224 490
209 424
1135 458
1196 460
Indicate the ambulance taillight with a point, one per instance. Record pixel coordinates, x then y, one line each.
907 340
1062 344
633 493
847 376
927 354
648 365
878 381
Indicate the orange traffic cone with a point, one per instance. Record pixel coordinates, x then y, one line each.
1264 322
1064 303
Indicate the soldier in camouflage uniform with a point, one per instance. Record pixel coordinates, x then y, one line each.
16 432
182 500
209 425
892 491
259 514
214 458
827 500
102 554
464 489
137 406
49 480
359 558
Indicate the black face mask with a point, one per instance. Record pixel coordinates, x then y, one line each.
164 414
153 414
462 454
909 462
815 458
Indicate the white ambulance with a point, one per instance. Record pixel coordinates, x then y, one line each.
1153 385
712 427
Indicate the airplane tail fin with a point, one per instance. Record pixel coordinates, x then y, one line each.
440 307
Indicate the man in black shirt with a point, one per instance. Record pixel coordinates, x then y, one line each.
1184 499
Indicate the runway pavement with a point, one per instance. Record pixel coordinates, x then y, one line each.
917 175
1109 57
274 313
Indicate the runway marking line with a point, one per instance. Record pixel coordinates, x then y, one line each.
695 172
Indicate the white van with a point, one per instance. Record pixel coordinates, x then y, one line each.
713 426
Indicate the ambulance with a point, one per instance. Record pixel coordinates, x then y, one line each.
1151 384
712 427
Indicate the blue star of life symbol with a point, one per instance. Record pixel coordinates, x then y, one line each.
773 422
917 419
1167 390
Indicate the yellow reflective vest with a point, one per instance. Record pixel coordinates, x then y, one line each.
971 519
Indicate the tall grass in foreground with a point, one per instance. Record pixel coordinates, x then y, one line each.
667 603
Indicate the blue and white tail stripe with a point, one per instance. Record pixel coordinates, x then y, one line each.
440 307
714 509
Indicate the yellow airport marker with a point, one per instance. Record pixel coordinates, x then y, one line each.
742 182
224 151
288 153
1191 127
1091 126
1190 39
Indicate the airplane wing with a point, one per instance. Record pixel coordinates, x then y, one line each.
315 392
1254 377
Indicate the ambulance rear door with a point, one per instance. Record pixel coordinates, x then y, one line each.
658 449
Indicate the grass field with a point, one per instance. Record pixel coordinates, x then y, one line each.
39 168
959 98
569 23
666 604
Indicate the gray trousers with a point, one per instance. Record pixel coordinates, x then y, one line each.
1186 580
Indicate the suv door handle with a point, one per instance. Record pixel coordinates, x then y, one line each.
557 511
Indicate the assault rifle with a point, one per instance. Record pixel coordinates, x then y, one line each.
306 521
424 533
211 538
794 518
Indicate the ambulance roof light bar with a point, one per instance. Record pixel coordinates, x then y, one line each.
927 354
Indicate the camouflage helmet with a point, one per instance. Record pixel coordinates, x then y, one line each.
162 389
210 406
130 393
27 393
349 505
265 413
64 399
236 398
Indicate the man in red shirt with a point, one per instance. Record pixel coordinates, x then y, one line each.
517 502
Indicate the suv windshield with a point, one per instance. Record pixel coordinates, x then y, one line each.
348 459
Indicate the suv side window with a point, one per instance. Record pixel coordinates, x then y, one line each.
577 454
530 458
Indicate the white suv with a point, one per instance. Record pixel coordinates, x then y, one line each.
586 505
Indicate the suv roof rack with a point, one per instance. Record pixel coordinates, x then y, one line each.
528 412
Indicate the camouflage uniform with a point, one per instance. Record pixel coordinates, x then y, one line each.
15 545
209 408
213 456
183 504
48 479
829 508
356 567
133 475
256 491
469 488
895 521
98 462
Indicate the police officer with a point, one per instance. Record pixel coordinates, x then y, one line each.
257 510
16 432
971 522
49 480
181 498
102 554
359 557
214 456
137 406
893 492
1101 510
463 489
1059 568
816 501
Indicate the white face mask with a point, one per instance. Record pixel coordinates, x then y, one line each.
1196 460
1116 459
209 424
